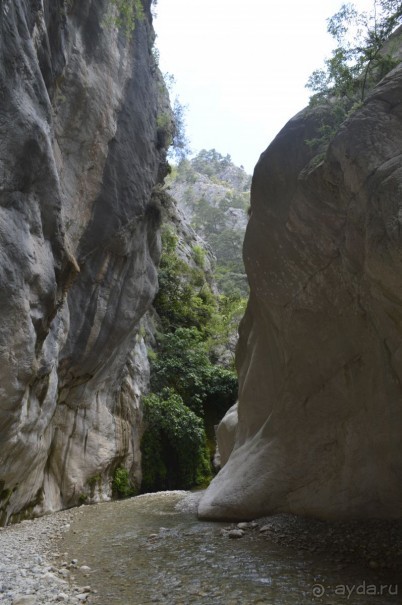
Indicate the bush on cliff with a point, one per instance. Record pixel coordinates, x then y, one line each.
185 298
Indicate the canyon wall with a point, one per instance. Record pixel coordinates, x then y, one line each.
320 352
80 155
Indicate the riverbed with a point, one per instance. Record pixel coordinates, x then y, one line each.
153 549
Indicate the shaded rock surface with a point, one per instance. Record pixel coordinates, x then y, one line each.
79 159
320 357
226 436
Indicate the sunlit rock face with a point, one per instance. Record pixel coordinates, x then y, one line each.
320 352
79 158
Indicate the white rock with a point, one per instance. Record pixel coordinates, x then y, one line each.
85 568
25 600
265 528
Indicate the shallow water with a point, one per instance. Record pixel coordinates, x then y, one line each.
153 549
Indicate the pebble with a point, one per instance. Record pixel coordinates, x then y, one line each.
235 533
265 528
64 573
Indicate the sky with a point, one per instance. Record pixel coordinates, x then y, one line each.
241 66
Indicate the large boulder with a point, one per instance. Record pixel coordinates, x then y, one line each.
320 352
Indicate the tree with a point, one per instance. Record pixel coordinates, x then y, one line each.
180 144
182 364
174 452
360 59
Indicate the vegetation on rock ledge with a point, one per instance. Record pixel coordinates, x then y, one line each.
125 14
363 56
215 195
191 388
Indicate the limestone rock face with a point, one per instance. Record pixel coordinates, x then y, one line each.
320 353
79 159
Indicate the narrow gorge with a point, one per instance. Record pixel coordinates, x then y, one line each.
85 125
123 280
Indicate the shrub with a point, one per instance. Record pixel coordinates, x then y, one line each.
184 298
174 452
199 256
122 485
126 14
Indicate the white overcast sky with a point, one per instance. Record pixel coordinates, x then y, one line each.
241 66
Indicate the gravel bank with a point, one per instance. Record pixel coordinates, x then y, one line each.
374 544
32 570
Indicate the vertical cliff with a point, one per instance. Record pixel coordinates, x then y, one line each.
320 357
80 155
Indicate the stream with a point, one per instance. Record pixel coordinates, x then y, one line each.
153 549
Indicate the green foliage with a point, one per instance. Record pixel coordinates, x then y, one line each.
186 385
184 298
165 128
125 14
163 120
174 453
335 114
122 485
231 278
211 162
183 365
356 65
199 256
93 481
210 218
180 143
225 323
358 62
190 391
185 172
